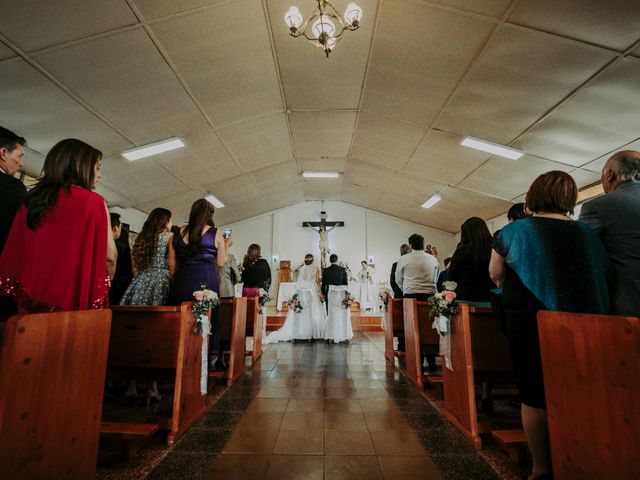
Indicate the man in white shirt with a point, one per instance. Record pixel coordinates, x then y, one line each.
417 275
417 271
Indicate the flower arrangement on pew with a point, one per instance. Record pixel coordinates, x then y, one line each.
264 298
385 295
205 300
295 304
443 307
348 300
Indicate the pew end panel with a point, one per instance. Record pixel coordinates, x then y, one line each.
52 382
393 327
233 316
159 343
420 339
591 367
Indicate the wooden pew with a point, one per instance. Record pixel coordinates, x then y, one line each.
52 372
159 343
254 325
393 327
479 353
233 317
591 366
419 339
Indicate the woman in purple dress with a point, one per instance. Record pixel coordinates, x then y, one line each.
195 252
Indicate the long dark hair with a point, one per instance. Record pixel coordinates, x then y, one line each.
147 241
252 256
200 216
476 239
69 162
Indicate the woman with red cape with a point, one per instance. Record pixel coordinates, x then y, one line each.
60 252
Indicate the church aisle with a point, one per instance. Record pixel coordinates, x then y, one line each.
321 411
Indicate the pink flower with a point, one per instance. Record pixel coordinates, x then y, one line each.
450 296
199 295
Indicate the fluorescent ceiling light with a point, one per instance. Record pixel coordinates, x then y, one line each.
214 201
496 149
432 201
320 174
153 149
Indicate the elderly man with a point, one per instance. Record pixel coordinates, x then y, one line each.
615 216
12 192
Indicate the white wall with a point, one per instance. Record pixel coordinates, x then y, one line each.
366 233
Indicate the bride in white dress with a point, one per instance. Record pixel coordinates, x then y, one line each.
312 320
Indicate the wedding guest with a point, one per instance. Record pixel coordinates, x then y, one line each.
228 276
256 273
527 255
397 291
124 274
43 272
150 284
12 192
194 254
444 275
516 212
470 262
615 217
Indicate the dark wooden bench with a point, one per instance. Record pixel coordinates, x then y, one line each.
254 327
591 366
419 339
479 353
52 372
393 327
233 317
159 343
132 435
513 441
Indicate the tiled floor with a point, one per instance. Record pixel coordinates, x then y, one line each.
321 411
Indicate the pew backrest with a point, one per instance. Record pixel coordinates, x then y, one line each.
52 374
591 367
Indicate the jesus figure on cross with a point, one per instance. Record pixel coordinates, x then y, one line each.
323 228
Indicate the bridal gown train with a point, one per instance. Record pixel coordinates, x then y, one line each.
311 321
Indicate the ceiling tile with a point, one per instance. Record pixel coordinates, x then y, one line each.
510 87
203 160
230 70
113 199
126 88
368 175
36 24
310 80
408 186
419 55
385 141
322 134
597 165
323 164
179 204
441 158
160 8
506 179
584 178
35 108
613 24
280 174
6 52
259 142
359 195
493 8
322 189
233 191
33 162
598 119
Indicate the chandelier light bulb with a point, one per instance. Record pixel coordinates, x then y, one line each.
323 27
293 18
353 14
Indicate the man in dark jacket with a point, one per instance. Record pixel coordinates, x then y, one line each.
397 291
12 192
334 274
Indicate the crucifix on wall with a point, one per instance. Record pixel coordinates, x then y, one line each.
323 228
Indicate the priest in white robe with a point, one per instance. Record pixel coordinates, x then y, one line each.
366 279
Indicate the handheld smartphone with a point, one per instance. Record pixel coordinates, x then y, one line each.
226 233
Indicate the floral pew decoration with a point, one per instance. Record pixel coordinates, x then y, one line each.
385 296
295 304
264 298
443 308
348 300
205 301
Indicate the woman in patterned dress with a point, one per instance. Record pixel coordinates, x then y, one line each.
150 284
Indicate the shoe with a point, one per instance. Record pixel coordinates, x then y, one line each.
153 393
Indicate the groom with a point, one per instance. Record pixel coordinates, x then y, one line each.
334 274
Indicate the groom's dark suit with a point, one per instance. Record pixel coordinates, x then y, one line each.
333 275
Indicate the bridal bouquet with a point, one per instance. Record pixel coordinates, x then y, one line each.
443 307
348 300
295 304
205 300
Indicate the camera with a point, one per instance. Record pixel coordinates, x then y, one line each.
226 233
